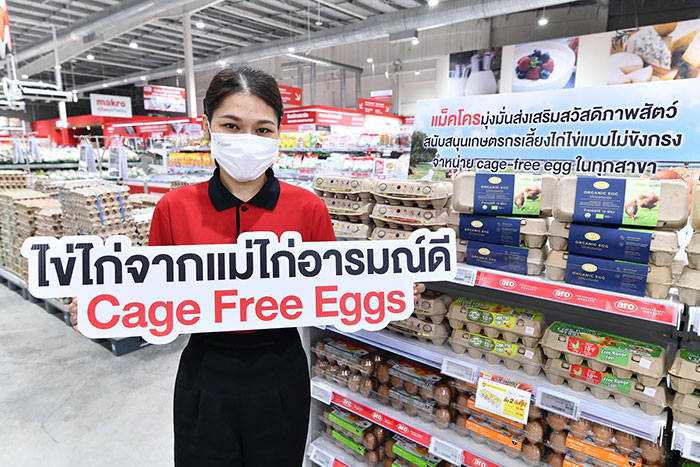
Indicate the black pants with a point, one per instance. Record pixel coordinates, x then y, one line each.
242 400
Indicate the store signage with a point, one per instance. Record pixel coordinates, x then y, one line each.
503 396
384 95
87 157
164 99
102 105
261 282
291 95
5 37
319 116
374 107
409 121
116 165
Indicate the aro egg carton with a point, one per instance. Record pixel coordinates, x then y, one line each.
349 210
344 187
432 306
346 230
422 330
386 233
421 193
408 218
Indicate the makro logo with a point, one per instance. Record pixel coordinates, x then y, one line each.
588 267
563 294
402 428
508 283
111 103
624 305
484 251
495 180
592 236
601 185
477 224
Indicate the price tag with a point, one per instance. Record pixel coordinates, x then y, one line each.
503 396
321 457
446 451
460 369
691 448
321 392
117 166
559 403
466 276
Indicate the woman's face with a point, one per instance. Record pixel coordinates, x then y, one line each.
243 113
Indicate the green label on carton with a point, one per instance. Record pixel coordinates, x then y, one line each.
349 443
689 355
409 452
601 379
346 421
496 346
494 314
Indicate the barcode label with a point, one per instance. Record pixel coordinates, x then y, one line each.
446 451
558 403
461 370
321 392
321 457
466 276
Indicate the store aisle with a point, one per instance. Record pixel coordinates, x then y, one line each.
67 401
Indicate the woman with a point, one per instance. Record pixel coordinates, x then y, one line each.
241 398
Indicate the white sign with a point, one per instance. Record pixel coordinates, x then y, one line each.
87 157
34 150
321 392
447 451
117 166
261 282
110 106
385 94
320 457
17 152
460 369
556 402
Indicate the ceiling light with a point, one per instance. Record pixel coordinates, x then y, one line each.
142 78
386 74
134 45
417 72
319 23
370 60
543 21
57 67
104 85
72 60
415 41
291 50
433 2
25 76
90 57
179 71
222 62
200 25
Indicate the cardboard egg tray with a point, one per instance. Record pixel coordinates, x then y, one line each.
346 230
411 218
695 209
513 356
658 281
60 188
385 233
13 179
626 392
421 193
662 250
689 286
674 198
600 351
344 186
48 222
349 210
142 225
693 251
185 181
684 373
533 230
535 257
686 408
511 324
432 306
421 330
498 439
465 184
143 200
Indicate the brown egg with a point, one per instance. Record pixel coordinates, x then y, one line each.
389 463
427 393
555 460
395 402
410 409
410 388
329 431
318 349
512 453
557 441
579 428
461 403
579 456
326 414
376 358
626 442
366 367
479 417
651 452
557 422
396 382
369 440
494 445
461 422
459 385
534 431
532 453
388 449
535 412
383 394
368 386
331 371
383 373
342 376
380 433
497 424
602 435
354 381
443 417
372 457
443 394
320 367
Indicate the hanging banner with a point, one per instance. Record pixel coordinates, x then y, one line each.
291 95
110 106
5 36
318 115
384 95
374 107
261 282
164 99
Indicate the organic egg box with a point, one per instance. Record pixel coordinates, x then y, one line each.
410 218
514 231
413 405
513 356
385 233
422 330
684 372
600 350
432 306
585 450
689 286
346 230
611 275
693 251
344 353
504 194
415 454
512 324
657 247
497 438
515 259
424 194
345 209
630 202
626 392
686 408
344 186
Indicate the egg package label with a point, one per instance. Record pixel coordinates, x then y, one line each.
496 351
618 201
505 194
418 375
471 405
423 330
607 274
495 346
426 407
601 379
610 455
344 440
685 371
504 258
508 321
503 437
496 229
623 244
415 454
344 350
350 422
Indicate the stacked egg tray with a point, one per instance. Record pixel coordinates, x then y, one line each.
408 205
101 210
57 188
185 181
689 281
48 221
361 438
684 376
349 204
428 320
143 200
9 234
13 179
142 224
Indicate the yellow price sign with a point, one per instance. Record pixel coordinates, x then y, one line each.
496 396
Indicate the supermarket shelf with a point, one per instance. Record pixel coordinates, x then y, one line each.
694 320
686 440
324 453
13 278
607 412
415 429
666 312
51 166
348 150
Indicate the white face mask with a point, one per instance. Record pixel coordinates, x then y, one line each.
244 157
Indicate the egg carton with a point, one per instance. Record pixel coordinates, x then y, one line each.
658 281
482 432
413 405
186 181
354 427
686 408
409 453
422 330
583 429
411 218
662 249
601 351
695 209
512 324
344 353
346 230
535 257
143 200
386 233
345 209
465 184
360 453
421 193
532 233
689 286
626 392
432 306
512 356
693 251
673 201
415 379
466 405
600 455
684 373
344 186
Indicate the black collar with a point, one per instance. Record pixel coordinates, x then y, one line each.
223 199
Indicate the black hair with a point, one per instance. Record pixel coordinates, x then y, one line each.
245 80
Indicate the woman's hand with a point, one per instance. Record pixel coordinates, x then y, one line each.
418 289
73 310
